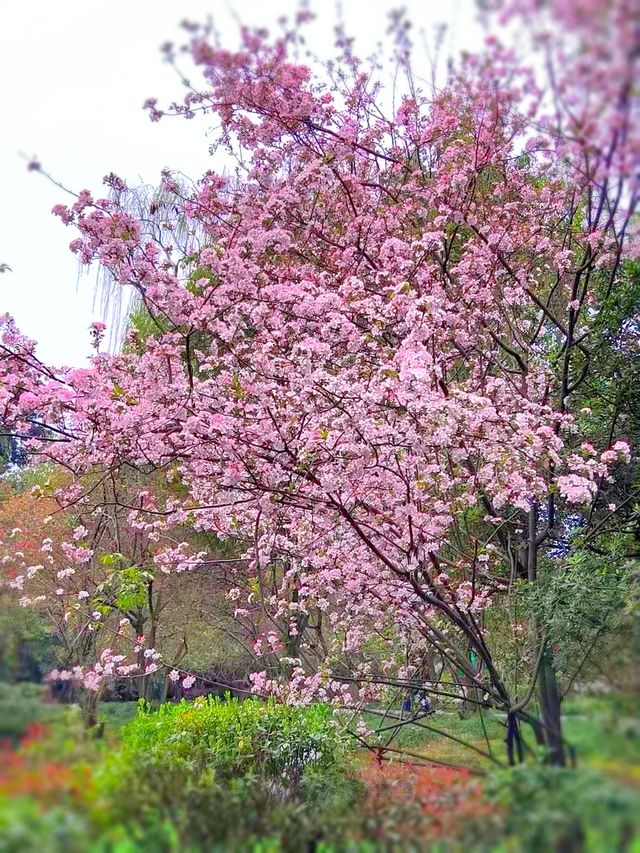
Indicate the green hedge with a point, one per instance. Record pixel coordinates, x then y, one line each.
27 828
228 772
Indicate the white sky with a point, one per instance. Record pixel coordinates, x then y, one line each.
73 77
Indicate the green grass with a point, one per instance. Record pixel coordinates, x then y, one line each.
467 737
603 730
117 714
25 703
605 733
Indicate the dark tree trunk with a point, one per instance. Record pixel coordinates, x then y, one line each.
550 707
547 684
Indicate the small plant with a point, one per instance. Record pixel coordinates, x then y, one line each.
412 804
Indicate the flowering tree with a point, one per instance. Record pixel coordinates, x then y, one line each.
90 597
364 365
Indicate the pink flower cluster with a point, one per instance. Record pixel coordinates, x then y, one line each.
108 667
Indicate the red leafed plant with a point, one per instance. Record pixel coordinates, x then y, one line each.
406 800
24 773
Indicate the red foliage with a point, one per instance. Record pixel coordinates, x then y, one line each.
436 802
34 733
23 774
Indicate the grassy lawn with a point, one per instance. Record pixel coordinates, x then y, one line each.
603 731
468 737
116 714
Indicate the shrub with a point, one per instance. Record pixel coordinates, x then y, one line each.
21 705
230 772
551 808
415 805
47 782
25 828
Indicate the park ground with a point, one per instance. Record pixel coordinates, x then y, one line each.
64 789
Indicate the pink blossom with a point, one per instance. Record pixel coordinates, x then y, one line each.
576 489
357 343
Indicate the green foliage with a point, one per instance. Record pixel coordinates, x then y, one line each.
25 828
608 399
24 704
200 279
20 705
27 645
145 326
233 737
27 477
230 772
604 732
228 775
580 601
24 690
196 776
116 714
125 588
551 808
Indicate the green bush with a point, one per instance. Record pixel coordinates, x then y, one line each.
224 772
22 704
21 690
550 808
25 828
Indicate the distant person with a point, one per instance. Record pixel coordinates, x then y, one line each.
407 706
425 704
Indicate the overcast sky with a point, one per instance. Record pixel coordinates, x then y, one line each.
73 77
